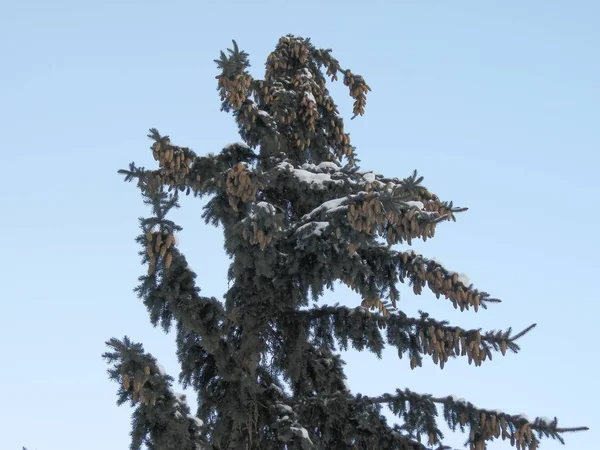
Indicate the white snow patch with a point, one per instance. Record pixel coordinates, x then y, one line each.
317 179
456 399
266 206
233 144
306 73
328 165
318 228
161 369
369 177
263 113
285 165
336 209
327 207
177 415
286 408
418 205
325 166
464 279
277 388
312 178
546 420
176 239
310 97
302 431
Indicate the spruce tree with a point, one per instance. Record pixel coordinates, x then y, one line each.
298 215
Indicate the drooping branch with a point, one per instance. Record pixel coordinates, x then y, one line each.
180 169
417 337
371 269
162 418
169 290
321 397
484 425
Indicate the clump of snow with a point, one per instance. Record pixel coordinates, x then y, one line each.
327 207
266 206
179 397
523 416
286 408
263 113
317 230
369 177
177 415
316 179
546 420
285 165
235 144
277 388
176 239
302 432
328 165
306 73
464 279
311 178
456 399
161 369
332 204
310 97
417 204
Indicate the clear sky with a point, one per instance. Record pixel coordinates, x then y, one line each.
495 103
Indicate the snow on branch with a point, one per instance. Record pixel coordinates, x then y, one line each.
417 337
419 411
317 180
288 428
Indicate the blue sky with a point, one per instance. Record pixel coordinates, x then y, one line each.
495 103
